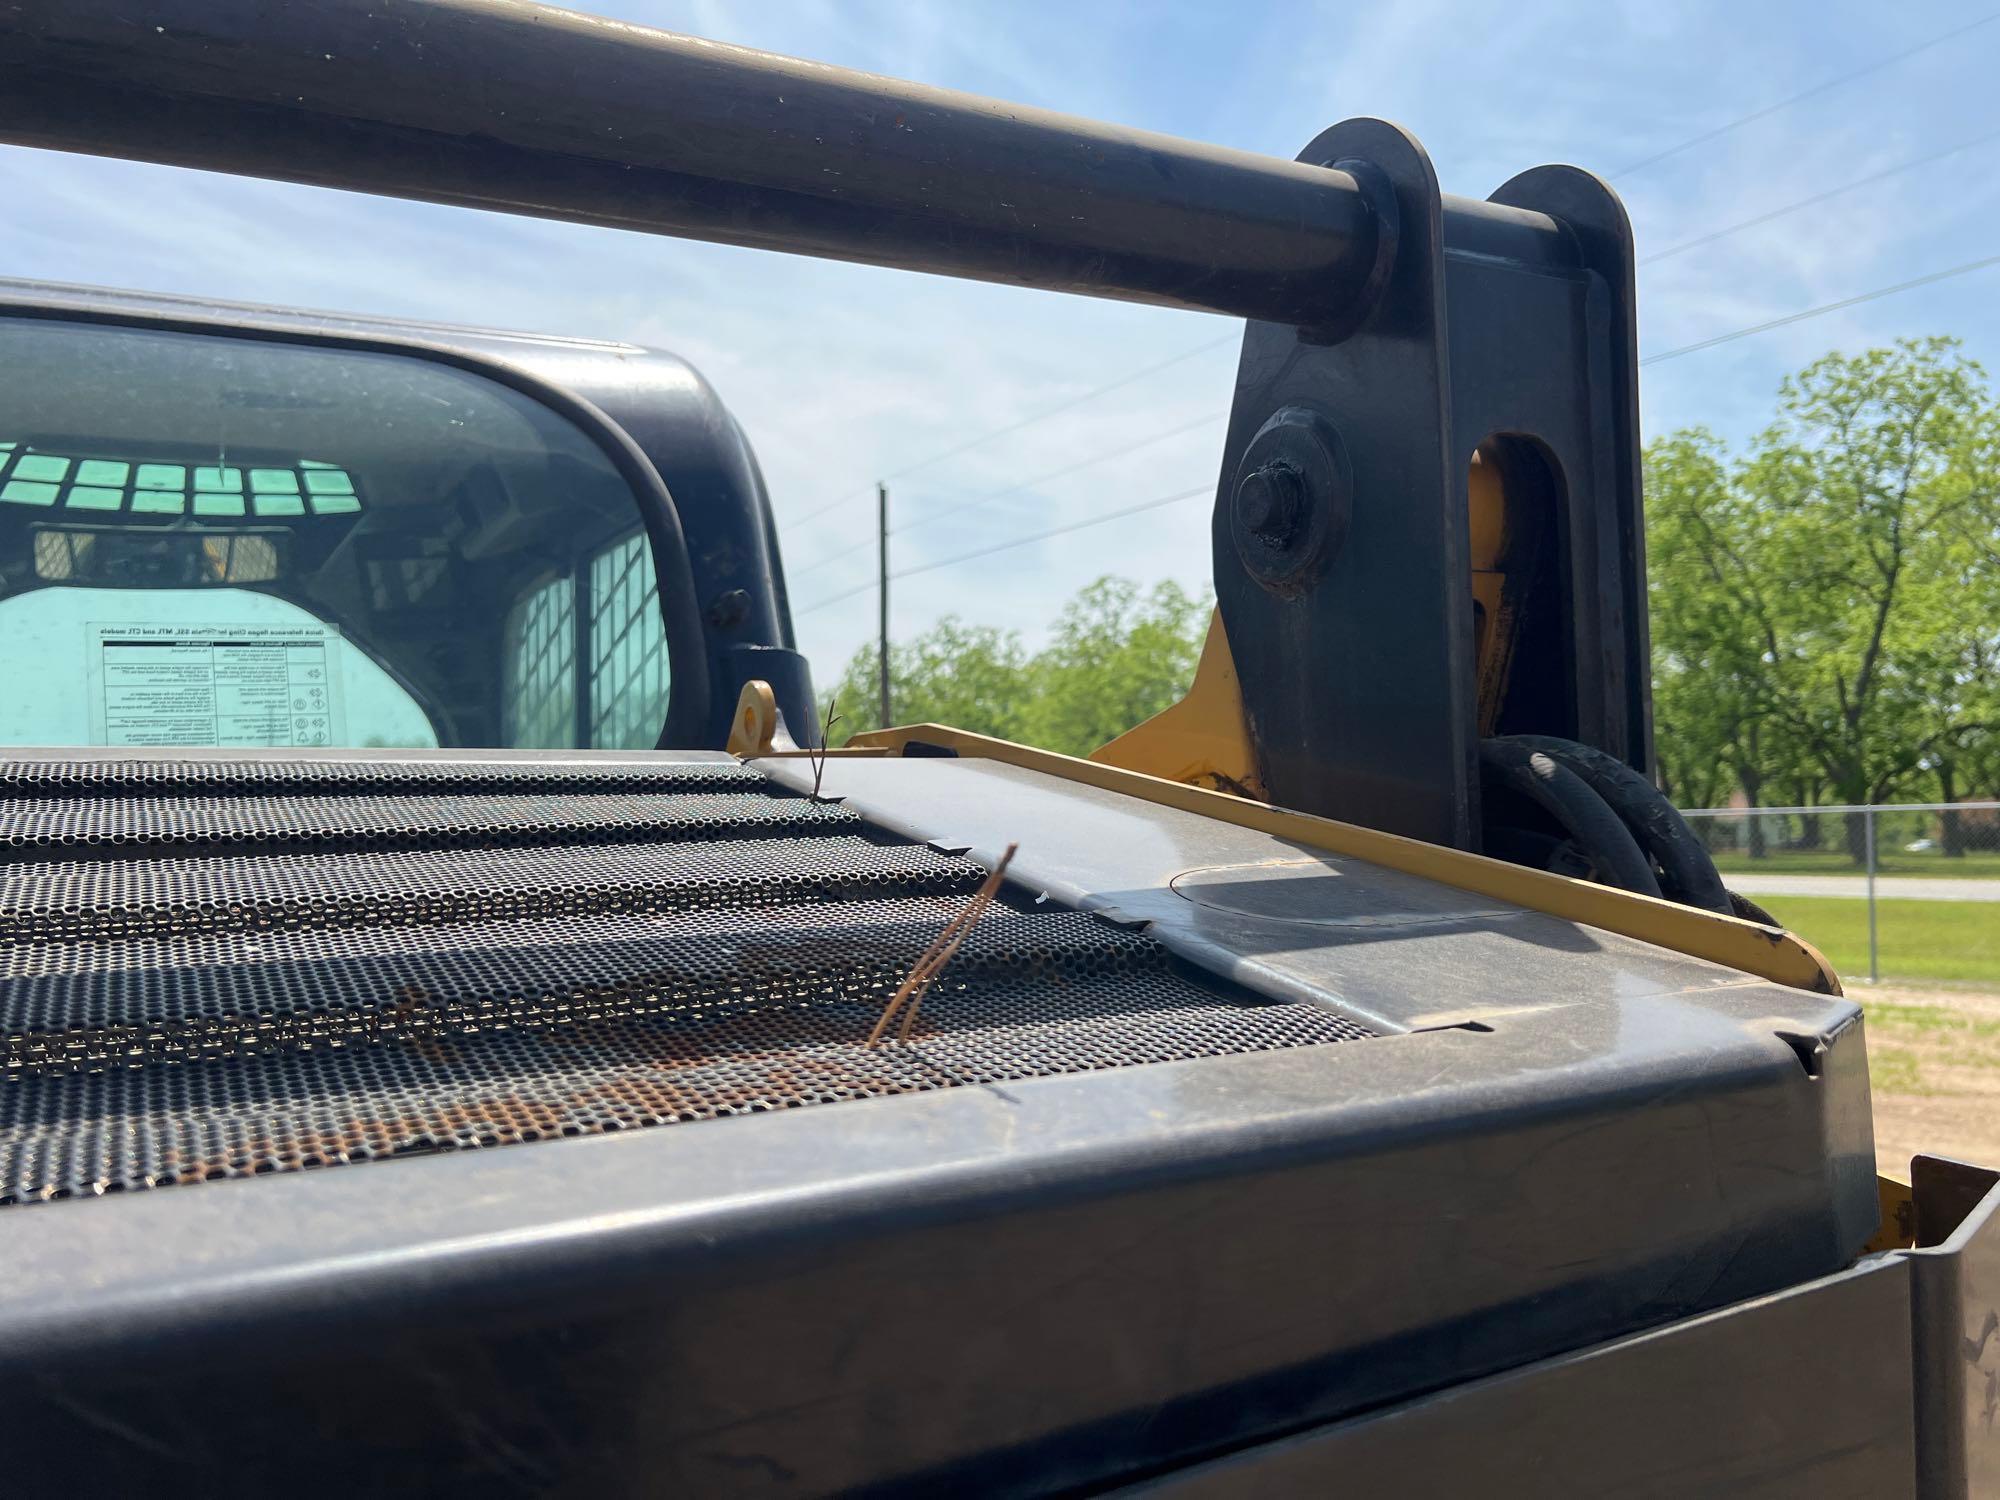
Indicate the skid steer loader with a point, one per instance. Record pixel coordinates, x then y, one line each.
447 987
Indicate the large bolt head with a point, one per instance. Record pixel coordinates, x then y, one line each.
1289 512
1270 501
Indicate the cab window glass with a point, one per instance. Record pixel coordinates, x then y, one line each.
539 706
208 540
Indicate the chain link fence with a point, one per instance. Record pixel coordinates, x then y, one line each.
1907 892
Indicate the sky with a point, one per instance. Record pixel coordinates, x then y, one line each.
842 374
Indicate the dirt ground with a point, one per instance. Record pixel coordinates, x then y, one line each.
1934 1062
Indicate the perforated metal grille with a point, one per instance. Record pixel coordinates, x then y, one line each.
93 824
194 777
173 1019
80 898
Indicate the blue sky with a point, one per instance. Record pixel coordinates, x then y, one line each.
841 373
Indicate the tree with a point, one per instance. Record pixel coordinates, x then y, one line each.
973 677
1822 601
1707 702
1960 718
1116 657
1117 654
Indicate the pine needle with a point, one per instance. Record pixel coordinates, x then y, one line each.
930 963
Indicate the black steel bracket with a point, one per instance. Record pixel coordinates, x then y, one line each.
1344 580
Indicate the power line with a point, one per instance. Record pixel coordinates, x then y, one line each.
1814 312
1040 416
1799 98
1651 359
814 515
1658 156
1014 489
1019 541
1042 536
1845 187
1146 442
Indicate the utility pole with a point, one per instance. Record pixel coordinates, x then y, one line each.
882 593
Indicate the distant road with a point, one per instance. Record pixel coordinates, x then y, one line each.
1887 887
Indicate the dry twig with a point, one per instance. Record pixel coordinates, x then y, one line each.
828 719
932 960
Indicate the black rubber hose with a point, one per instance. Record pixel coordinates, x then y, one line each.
1599 832
1690 876
1750 911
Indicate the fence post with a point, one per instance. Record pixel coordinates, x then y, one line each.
1874 956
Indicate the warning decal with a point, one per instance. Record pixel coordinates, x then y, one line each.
224 685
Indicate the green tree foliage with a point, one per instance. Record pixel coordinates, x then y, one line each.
1826 608
1116 657
1117 654
973 677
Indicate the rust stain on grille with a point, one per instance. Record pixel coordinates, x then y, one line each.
227 1009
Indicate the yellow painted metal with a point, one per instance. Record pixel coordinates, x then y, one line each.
838 752
758 731
1898 1227
1768 952
758 728
1203 739
1492 626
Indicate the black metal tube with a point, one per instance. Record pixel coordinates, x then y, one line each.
503 105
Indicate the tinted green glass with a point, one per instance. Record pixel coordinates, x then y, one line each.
103 471
454 563
40 466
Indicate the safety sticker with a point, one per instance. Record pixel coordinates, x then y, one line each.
223 685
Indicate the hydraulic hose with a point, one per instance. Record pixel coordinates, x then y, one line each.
1687 873
1598 833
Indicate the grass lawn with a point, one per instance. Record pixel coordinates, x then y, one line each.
1972 865
1954 941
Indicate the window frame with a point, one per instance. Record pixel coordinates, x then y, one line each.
690 691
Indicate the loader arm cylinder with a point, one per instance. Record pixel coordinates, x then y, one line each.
527 109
